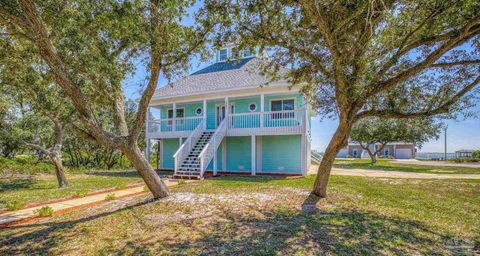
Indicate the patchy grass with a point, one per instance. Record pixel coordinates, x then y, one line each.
389 165
262 216
38 188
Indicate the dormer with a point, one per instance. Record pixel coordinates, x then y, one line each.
229 52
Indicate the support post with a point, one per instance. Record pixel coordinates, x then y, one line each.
205 114
254 153
224 154
227 109
215 163
147 150
174 115
262 109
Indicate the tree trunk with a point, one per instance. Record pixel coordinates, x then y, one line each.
59 170
153 181
339 140
373 156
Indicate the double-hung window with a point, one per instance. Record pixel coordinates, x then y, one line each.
223 55
285 108
180 114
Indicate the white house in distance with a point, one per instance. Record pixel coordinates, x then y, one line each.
223 119
397 150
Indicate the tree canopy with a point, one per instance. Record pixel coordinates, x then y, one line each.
374 133
356 59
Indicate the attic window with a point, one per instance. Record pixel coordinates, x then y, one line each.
223 55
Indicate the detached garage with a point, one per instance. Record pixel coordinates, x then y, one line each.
404 153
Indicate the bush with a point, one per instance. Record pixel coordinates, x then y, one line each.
465 160
181 182
14 205
110 197
476 154
45 211
81 193
121 186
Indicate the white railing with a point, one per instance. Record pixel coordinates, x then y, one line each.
173 124
210 149
187 146
280 120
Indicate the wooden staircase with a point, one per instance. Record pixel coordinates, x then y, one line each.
190 167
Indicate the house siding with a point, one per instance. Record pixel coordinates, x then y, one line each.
281 154
239 154
170 146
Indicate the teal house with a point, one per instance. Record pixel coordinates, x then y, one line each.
228 119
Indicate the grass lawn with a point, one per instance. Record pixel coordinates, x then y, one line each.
38 188
389 165
263 216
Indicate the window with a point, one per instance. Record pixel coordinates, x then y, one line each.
233 53
282 105
252 107
386 152
198 111
223 55
355 153
180 114
247 53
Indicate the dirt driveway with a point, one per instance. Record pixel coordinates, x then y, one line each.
437 163
394 174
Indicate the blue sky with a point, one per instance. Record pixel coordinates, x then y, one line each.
461 134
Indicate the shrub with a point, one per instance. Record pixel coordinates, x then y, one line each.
110 197
14 205
181 182
45 211
81 193
476 154
121 186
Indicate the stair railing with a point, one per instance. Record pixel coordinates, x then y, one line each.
210 148
187 146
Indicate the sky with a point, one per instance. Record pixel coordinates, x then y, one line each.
461 134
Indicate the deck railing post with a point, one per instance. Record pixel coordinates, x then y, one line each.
262 109
174 116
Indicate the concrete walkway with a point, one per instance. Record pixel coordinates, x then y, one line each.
394 174
70 204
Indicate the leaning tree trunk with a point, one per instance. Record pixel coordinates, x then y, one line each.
373 157
338 141
59 171
140 163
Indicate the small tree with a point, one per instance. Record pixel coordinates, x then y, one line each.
374 133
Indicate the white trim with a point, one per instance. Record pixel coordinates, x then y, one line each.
259 154
255 109
224 154
201 111
279 87
282 99
253 154
226 113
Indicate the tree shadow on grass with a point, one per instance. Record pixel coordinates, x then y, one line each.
279 230
16 184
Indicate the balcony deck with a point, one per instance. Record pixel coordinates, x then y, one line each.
239 124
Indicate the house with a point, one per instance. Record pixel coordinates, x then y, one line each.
227 118
464 153
397 150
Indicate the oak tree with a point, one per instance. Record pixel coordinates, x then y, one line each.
91 47
357 59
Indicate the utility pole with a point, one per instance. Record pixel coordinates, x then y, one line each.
445 143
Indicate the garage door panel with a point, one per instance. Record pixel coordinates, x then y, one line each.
403 154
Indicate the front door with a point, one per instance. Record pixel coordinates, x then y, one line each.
221 113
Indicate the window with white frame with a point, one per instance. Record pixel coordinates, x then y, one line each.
247 53
198 111
180 114
223 55
252 107
282 105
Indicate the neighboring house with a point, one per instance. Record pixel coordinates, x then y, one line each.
227 118
397 150
464 153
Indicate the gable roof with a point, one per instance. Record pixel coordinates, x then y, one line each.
221 76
